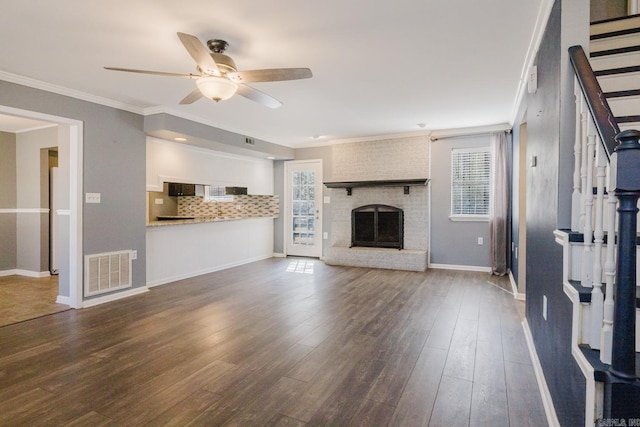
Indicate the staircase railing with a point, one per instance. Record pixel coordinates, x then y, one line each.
611 326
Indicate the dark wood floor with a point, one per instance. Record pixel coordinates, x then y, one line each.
260 345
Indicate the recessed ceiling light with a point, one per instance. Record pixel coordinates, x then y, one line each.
180 139
422 125
316 137
271 158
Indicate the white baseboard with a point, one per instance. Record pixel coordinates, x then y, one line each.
63 300
26 273
514 288
460 267
114 296
279 255
167 280
545 394
4 273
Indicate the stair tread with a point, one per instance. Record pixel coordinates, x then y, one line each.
628 119
622 93
577 237
616 33
619 18
583 292
614 24
621 70
599 368
615 51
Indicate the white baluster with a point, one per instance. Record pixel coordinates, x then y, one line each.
583 161
587 197
606 339
576 197
597 298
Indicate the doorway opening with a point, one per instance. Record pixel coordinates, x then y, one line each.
42 211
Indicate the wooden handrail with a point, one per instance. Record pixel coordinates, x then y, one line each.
605 121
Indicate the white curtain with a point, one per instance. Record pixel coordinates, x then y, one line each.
499 211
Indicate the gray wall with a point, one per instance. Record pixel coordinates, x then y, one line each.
8 200
454 242
550 136
114 165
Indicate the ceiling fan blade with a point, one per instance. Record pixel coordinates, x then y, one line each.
157 73
193 96
257 96
199 53
270 75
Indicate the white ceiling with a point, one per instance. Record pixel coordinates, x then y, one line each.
380 67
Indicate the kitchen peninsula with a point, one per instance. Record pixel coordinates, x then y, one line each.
222 233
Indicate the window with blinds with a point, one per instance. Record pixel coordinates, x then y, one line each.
217 193
470 182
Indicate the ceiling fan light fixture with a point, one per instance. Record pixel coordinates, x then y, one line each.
216 88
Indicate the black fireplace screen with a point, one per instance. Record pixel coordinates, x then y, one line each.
378 226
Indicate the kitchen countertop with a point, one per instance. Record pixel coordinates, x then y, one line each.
196 220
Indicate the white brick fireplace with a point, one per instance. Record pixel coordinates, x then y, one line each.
390 160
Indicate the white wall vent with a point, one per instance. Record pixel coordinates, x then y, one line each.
107 272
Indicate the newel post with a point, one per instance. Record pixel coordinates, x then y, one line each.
627 190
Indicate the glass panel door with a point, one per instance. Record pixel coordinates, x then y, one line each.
303 211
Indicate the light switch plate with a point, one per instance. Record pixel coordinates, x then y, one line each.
159 201
92 198
327 200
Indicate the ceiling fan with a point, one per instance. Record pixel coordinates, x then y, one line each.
218 77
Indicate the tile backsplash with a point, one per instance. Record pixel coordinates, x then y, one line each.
242 206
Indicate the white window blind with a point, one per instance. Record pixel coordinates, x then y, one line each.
470 181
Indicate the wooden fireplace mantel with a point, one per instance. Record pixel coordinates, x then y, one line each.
406 183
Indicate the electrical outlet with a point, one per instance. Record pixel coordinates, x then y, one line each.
134 254
544 307
159 201
325 235
480 241
92 198
327 200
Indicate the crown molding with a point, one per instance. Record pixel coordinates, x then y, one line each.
383 137
60 90
475 130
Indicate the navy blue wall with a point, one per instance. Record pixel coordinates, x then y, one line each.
545 212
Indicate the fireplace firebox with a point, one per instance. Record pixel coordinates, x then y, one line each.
378 226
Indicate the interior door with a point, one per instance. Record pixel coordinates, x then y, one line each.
303 208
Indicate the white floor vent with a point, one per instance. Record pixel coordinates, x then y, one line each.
107 272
